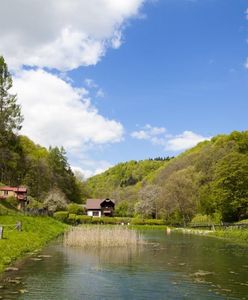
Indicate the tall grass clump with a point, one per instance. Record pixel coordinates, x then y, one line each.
99 236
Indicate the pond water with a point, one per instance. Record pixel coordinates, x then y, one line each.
172 266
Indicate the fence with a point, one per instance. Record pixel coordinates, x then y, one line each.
17 226
37 212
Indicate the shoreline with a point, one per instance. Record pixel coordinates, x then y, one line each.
36 233
236 236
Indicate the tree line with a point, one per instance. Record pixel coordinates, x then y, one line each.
22 162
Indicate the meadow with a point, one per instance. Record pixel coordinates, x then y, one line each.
36 232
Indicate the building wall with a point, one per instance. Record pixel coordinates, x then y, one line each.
9 194
90 213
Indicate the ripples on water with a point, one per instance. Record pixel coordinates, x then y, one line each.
168 267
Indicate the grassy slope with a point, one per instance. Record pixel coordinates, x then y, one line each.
37 231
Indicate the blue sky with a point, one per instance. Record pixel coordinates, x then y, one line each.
174 75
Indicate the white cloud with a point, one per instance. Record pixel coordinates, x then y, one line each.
58 114
174 143
90 168
149 133
100 93
62 34
246 64
185 140
91 84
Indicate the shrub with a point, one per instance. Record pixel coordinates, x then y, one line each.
206 219
61 216
84 219
138 221
96 220
73 219
55 200
154 222
11 202
109 220
74 208
124 220
34 203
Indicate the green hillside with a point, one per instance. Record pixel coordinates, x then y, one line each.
210 180
122 176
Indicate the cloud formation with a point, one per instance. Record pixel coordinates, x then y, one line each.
90 168
62 34
173 143
150 133
185 140
56 113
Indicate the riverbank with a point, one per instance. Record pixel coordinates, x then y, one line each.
148 227
233 234
36 232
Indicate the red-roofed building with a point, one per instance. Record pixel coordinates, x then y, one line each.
100 207
20 193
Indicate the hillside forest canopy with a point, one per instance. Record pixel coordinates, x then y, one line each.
209 181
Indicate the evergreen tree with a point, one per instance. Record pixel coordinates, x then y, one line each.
10 112
10 122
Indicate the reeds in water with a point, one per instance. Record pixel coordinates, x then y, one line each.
100 236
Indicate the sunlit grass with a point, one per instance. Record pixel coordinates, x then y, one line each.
36 232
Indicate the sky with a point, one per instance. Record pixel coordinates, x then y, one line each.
112 81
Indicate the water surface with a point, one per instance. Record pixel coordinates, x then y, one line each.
172 266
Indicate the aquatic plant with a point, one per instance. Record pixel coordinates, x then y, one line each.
102 236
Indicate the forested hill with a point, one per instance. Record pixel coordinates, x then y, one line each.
42 170
123 176
210 180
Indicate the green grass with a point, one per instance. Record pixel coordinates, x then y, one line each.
242 222
233 234
148 227
36 232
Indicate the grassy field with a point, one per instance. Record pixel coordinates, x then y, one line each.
36 232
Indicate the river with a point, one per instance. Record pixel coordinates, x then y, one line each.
174 266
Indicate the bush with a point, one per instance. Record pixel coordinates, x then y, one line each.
124 220
34 203
61 216
55 200
72 219
96 221
138 221
11 202
154 222
109 220
206 219
74 208
84 219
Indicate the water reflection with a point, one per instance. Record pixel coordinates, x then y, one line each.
171 266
